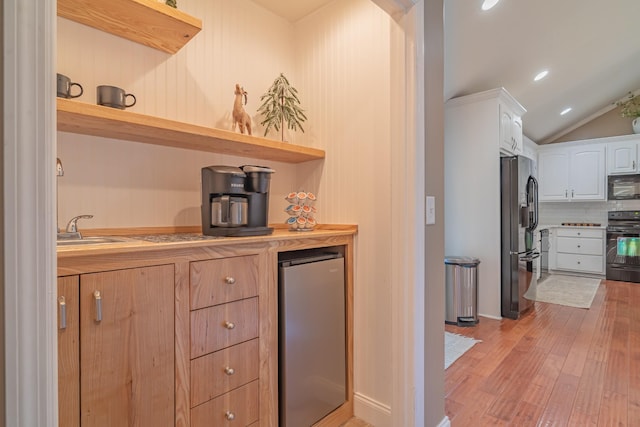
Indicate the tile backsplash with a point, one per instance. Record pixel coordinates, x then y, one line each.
555 213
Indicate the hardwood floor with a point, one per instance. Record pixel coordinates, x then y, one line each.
555 366
355 422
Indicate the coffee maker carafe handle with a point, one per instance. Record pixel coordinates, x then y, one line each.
224 215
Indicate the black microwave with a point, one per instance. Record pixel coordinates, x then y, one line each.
623 187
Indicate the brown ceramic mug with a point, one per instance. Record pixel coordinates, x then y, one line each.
64 87
114 97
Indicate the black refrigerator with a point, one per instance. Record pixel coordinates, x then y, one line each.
519 219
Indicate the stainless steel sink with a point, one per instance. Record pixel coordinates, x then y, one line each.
92 241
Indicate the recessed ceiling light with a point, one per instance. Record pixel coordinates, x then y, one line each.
488 4
541 75
565 111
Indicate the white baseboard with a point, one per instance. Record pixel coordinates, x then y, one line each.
488 316
372 411
378 414
446 422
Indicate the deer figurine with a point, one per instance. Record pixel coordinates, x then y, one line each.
240 117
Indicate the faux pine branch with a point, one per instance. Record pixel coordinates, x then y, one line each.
279 105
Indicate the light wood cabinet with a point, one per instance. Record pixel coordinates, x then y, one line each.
126 360
189 331
69 351
225 328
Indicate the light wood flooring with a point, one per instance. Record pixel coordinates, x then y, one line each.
555 366
355 422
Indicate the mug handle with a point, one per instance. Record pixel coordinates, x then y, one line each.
81 90
134 100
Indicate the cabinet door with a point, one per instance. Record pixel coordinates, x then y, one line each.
587 173
506 130
516 134
553 170
127 353
68 352
622 158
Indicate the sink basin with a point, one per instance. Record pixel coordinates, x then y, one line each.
91 241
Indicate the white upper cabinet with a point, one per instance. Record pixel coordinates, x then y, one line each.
622 157
553 175
572 173
510 129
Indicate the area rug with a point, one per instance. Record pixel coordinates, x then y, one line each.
455 346
565 290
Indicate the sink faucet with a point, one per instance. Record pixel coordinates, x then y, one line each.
59 172
72 228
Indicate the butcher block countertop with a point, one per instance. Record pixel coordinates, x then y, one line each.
154 243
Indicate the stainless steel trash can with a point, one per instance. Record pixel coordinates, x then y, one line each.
461 290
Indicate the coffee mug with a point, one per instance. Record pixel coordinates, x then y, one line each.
64 87
114 97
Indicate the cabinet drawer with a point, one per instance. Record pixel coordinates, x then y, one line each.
217 373
585 263
241 405
597 233
224 325
576 245
223 280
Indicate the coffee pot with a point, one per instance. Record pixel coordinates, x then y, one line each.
235 200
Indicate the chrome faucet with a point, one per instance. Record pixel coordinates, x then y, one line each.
59 172
72 228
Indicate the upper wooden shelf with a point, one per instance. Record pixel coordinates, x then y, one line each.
147 22
96 120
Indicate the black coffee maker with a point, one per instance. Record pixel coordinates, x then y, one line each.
235 200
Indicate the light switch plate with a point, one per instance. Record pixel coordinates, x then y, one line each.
431 210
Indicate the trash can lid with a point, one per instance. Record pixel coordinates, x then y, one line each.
461 260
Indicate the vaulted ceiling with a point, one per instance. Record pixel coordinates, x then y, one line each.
590 47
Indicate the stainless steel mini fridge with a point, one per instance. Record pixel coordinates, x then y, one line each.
312 336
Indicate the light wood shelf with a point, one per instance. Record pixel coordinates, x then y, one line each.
147 22
96 120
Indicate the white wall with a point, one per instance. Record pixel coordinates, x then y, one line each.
339 60
126 184
343 55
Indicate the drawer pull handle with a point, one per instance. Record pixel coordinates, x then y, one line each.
229 370
229 280
98 298
578 245
230 416
229 325
63 312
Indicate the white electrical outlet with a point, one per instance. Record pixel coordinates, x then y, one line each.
431 210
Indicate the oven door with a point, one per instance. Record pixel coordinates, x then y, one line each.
623 187
623 255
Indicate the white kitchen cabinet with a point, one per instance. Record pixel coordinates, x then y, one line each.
622 157
511 142
576 172
578 249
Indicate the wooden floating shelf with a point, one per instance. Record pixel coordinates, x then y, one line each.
147 22
96 120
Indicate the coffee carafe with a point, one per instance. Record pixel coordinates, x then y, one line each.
235 200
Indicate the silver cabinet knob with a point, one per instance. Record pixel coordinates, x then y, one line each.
229 280
230 416
229 325
229 370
